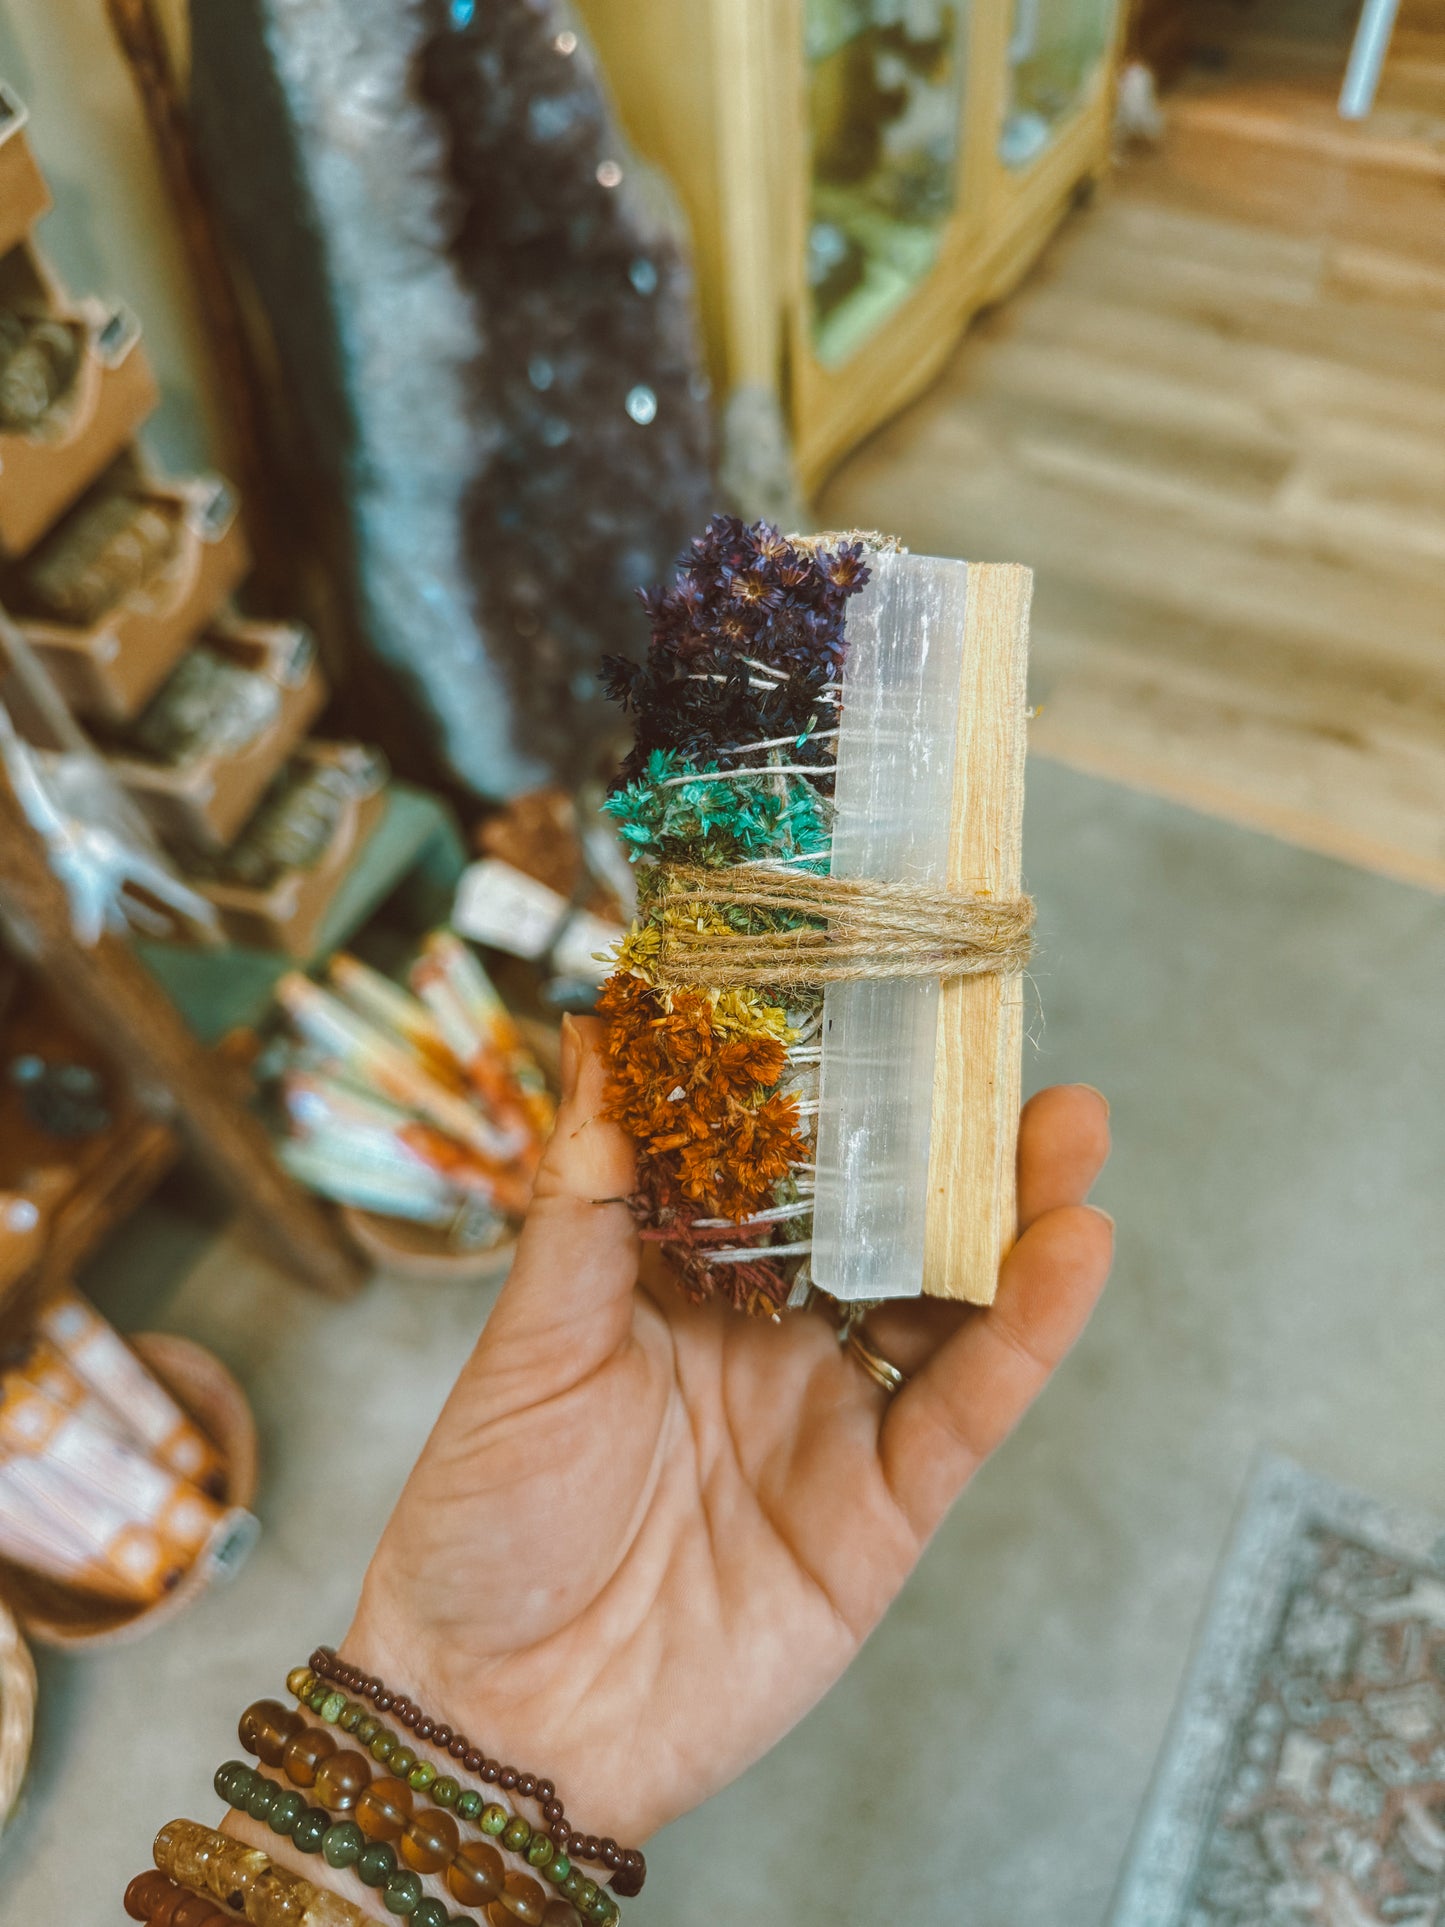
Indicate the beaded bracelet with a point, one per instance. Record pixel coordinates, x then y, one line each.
154 1898
509 1897
474 1870
628 1865
309 1757
379 1809
330 1704
249 1881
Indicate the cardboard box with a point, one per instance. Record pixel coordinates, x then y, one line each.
288 915
110 671
202 804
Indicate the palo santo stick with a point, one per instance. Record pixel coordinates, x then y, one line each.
972 1216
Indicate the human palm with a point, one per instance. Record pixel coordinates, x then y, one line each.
646 1536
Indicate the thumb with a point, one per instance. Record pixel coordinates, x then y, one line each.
567 1303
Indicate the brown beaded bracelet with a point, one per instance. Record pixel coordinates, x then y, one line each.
156 1899
627 1864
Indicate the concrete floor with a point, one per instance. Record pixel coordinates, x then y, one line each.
1270 1027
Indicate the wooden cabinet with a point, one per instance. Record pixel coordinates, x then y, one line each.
861 176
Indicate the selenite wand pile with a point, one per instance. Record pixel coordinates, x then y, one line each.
815 1024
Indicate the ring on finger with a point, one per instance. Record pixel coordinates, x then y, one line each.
881 1370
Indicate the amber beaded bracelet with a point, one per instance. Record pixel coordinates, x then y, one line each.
374 1811
250 1882
627 1865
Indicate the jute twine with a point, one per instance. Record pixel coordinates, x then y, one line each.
871 929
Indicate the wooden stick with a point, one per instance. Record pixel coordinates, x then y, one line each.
143 45
972 1205
109 994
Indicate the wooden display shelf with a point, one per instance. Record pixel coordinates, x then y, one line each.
112 669
24 197
203 803
113 391
105 990
60 1197
415 849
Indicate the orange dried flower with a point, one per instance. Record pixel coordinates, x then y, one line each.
700 1097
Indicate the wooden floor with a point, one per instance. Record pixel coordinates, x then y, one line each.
1214 423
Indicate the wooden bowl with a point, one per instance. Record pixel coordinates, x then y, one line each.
407 1250
58 1615
17 1712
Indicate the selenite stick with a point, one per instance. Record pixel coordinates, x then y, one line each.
919 1083
338 1118
480 1032
315 1102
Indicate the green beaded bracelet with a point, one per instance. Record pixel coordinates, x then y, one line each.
340 1843
283 1810
344 1843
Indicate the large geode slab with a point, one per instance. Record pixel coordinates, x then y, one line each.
496 422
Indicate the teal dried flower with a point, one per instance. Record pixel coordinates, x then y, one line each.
732 820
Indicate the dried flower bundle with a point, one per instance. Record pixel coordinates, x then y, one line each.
736 708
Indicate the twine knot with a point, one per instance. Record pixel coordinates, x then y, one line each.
859 928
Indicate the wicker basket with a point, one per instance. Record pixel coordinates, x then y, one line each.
17 1712
55 1615
405 1250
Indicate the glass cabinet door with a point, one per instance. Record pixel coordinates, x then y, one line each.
885 85
1054 50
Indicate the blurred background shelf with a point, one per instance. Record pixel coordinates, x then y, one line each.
24 196
415 849
108 668
1212 420
115 1182
63 1195
202 800
861 178
107 398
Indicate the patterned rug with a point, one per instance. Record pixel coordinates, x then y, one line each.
1303 1781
